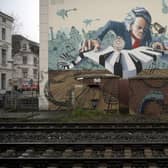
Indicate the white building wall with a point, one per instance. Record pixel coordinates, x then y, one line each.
6 44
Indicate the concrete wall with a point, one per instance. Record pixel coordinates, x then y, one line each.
43 103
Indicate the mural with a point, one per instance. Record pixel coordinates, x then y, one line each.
67 34
105 36
153 96
82 89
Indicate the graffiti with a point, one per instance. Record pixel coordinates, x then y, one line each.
156 86
49 96
153 96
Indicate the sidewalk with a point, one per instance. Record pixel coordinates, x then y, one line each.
42 115
14 115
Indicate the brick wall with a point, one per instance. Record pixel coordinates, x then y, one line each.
83 89
148 96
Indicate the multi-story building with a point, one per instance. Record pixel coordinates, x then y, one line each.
25 55
6 70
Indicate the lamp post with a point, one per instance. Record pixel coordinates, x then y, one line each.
12 75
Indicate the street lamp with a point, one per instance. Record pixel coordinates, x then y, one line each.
12 67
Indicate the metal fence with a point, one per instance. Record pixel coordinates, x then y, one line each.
21 100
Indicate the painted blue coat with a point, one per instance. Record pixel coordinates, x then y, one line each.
120 30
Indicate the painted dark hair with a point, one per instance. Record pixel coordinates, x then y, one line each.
137 12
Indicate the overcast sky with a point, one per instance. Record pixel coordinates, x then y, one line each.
27 13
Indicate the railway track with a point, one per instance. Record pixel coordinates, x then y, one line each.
69 155
49 145
83 126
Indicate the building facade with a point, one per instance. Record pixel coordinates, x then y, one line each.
25 55
5 53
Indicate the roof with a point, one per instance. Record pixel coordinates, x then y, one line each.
152 74
6 16
16 44
20 37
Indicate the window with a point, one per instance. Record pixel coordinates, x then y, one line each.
3 57
35 73
25 72
4 20
3 81
3 33
24 47
24 59
35 61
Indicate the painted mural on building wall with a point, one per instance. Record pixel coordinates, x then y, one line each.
103 37
72 24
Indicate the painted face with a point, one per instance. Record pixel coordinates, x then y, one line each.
138 27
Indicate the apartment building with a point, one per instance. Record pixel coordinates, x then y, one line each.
25 55
6 62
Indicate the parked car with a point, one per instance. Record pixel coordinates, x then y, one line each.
28 87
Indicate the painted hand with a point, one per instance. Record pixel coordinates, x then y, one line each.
157 45
90 45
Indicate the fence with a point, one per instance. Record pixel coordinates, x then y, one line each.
21 101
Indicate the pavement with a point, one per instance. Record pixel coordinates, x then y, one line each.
9 115
27 115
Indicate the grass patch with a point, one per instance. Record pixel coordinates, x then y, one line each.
85 115
82 115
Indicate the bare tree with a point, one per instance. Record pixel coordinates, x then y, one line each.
17 24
